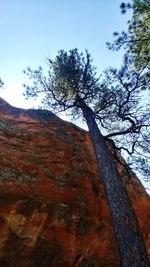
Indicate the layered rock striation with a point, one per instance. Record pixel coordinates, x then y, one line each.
53 207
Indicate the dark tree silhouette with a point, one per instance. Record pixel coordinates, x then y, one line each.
136 40
1 83
72 83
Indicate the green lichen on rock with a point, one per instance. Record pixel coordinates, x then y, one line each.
77 152
64 178
7 173
83 224
79 170
64 215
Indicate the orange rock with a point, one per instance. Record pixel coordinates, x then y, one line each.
53 207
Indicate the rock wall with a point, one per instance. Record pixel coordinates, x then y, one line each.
53 207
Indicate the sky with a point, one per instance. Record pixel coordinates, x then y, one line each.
32 30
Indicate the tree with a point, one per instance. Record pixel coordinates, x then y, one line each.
136 40
127 119
1 83
72 83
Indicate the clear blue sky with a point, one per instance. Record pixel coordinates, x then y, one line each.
34 29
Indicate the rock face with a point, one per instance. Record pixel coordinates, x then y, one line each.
53 207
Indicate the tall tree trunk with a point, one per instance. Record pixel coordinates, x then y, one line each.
126 226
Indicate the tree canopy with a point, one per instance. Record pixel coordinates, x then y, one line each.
136 40
1 83
115 97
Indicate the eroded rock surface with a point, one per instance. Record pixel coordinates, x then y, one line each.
53 207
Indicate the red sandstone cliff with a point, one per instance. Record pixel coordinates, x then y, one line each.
53 208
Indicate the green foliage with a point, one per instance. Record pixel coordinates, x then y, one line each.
116 98
137 39
1 83
71 74
127 119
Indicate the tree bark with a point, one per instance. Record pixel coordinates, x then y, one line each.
130 242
